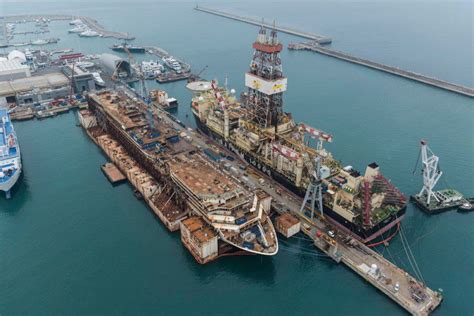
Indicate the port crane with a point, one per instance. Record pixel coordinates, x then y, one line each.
145 94
431 172
314 192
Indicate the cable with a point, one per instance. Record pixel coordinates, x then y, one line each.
409 252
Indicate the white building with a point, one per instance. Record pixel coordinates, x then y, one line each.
12 69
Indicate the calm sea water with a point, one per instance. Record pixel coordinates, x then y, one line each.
70 243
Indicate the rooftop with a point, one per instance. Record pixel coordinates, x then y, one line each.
12 65
47 81
199 229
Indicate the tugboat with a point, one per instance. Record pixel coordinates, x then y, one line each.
467 206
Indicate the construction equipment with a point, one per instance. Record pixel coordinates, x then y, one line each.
314 191
431 172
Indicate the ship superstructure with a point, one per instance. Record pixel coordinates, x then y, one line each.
259 131
10 159
186 177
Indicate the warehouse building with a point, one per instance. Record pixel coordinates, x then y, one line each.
12 69
34 89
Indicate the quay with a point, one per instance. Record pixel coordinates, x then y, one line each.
320 39
112 173
314 47
408 292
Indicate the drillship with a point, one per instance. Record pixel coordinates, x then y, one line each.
10 160
260 132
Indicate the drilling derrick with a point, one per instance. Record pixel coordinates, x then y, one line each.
265 81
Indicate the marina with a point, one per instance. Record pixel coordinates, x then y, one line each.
90 23
438 83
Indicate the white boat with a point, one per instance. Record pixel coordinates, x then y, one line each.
78 29
39 42
89 33
75 22
10 159
85 64
98 79
151 69
173 64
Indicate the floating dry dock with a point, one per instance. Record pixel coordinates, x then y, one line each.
177 180
314 47
320 39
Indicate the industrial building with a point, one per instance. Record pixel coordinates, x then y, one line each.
82 80
34 89
12 69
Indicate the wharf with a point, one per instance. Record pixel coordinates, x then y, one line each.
320 39
412 295
113 173
314 47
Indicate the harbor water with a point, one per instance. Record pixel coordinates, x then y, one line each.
70 243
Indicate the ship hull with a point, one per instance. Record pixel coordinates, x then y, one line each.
8 185
363 234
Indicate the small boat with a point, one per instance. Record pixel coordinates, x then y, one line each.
137 194
40 115
467 206
75 22
39 42
78 29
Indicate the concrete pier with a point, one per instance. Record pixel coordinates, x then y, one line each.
314 47
405 290
320 39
